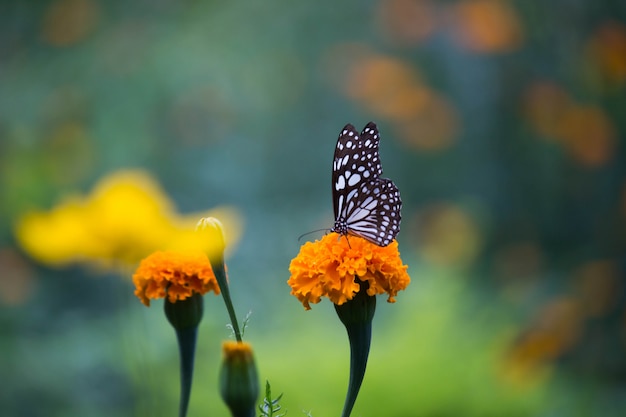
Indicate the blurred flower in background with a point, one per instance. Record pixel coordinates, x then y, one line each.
391 89
447 236
485 26
67 22
606 50
584 131
126 217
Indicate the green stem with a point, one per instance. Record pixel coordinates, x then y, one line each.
185 316
220 274
187 347
357 315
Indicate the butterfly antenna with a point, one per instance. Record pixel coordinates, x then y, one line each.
308 233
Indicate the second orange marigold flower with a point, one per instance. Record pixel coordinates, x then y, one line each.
330 267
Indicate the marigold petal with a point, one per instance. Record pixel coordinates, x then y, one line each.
330 267
175 274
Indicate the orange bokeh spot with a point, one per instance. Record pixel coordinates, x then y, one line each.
378 78
554 331
544 104
599 287
607 49
432 129
486 26
393 89
67 22
585 131
406 22
588 134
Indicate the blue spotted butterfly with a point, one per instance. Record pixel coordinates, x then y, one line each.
365 205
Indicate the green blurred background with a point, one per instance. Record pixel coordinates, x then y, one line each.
502 124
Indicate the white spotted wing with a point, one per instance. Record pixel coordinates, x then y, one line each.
364 204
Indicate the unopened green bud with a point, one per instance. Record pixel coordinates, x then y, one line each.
239 383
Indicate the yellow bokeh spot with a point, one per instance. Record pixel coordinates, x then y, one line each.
126 217
447 236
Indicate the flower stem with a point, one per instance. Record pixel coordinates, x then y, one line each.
187 347
220 274
357 315
185 316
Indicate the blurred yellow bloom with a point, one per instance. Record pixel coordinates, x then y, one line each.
125 218
330 267
176 274
448 235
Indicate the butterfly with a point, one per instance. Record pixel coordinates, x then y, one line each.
365 205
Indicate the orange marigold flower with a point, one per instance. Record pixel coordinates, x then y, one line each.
175 274
330 266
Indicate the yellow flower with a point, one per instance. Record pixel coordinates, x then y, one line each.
126 217
176 274
330 267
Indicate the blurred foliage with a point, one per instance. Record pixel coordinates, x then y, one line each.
502 124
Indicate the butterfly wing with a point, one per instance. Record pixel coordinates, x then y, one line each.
374 214
356 160
364 204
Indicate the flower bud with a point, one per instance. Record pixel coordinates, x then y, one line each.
239 384
212 228
213 231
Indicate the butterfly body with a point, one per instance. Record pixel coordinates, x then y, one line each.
364 204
